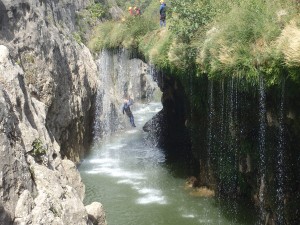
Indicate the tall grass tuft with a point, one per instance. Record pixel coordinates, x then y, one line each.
126 33
155 46
289 43
243 39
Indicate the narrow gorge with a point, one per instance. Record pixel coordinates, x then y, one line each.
216 104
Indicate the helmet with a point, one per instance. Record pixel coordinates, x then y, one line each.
162 1
130 8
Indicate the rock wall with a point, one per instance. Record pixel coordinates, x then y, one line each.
37 186
169 128
48 84
245 138
58 72
119 76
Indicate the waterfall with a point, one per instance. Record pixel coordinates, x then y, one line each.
118 76
220 139
280 161
122 70
262 148
233 132
101 121
113 83
211 113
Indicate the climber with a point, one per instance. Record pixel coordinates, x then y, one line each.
126 107
162 12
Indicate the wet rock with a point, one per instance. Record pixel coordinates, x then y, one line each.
192 182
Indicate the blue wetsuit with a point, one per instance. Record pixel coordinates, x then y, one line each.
162 12
126 108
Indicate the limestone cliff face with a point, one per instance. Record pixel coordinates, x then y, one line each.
58 72
47 89
37 186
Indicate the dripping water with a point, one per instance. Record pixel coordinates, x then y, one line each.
280 161
210 122
233 137
101 122
221 144
262 148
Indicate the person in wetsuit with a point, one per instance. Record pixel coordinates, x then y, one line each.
162 12
126 108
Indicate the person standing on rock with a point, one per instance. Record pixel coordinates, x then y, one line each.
126 108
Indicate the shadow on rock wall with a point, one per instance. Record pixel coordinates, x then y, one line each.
4 216
5 32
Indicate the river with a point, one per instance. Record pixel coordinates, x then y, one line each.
136 186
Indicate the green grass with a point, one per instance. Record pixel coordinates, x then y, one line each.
228 37
243 39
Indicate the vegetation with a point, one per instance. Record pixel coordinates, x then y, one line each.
89 18
37 148
242 37
124 33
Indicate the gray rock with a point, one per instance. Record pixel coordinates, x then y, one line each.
96 213
73 177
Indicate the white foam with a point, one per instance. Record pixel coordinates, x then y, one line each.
117 172
116 147
149 191
188 216
128 181
152 199
150 108
132 131
151 196
92 172
143 110
103 161
205 221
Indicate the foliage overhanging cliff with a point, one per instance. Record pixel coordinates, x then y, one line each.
219 37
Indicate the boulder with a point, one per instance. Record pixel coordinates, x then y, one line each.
96 213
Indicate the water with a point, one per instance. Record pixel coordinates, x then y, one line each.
280 161
103 99
132 180
211 113
262 148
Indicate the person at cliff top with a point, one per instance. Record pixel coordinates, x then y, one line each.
162 12
137 11
126 108
131 11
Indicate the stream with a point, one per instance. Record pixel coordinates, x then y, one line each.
136 185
